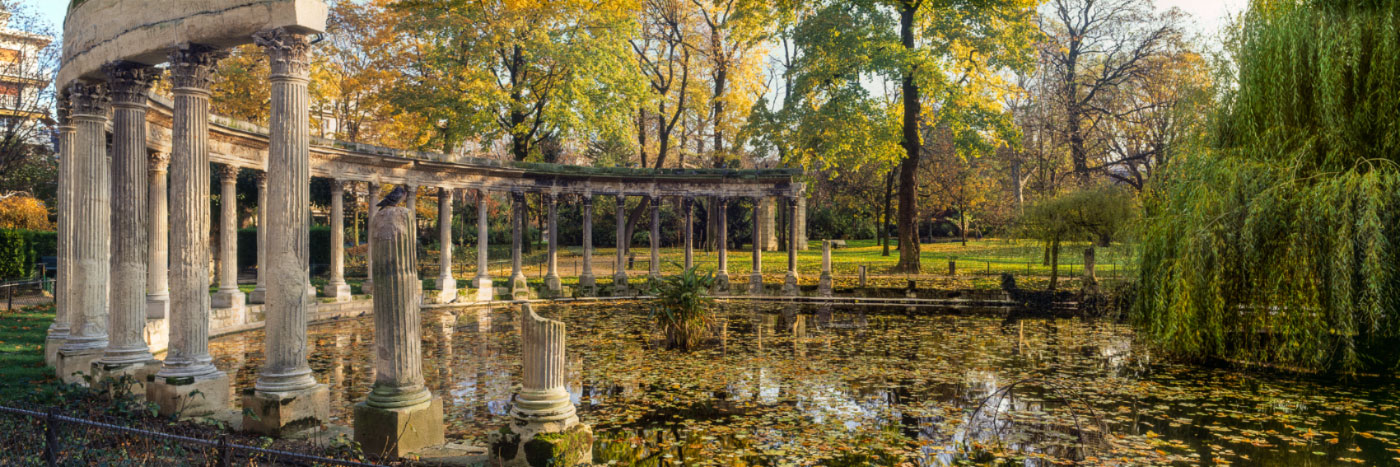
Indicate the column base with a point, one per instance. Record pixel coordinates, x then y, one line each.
721 282
390 433
790 285
519 288
228 299
258 295
293 414
157 334
190 396
311 293
227 317
588 285
75 366
129 379
521 446
338 291
756 284
620 287
157 306
447 289
51 344
824 285
485 291
552 283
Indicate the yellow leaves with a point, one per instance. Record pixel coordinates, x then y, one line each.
24 212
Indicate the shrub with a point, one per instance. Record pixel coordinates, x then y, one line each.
683 307
23 212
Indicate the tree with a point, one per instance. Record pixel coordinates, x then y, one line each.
356 67
1094 214
946 55
26 154
241 89
1095 48
522 72
736 29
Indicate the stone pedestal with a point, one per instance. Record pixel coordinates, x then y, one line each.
190 396
544 429
51 344
72 365
293 414
485 291
228 299
128 377
395 432
157 306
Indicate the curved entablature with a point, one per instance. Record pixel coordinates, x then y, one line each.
97 32
243 144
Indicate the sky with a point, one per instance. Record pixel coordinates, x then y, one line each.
1209 14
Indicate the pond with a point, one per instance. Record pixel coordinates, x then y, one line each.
854 386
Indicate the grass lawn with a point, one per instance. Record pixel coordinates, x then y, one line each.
22 334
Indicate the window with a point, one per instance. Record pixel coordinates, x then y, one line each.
9 55
9 89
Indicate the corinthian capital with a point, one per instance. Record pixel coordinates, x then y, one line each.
288 53
227 172
160 161
192 65
130 82
89 99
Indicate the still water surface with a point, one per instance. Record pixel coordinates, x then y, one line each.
850 386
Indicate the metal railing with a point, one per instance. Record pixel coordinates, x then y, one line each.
69 440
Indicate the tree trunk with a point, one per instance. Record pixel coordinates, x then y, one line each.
1017 186
885 213
909 167
962 219
642 135
721 75
1054 263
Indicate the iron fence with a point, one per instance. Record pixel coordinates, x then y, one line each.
44 436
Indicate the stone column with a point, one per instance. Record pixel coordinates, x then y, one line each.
372 200
551 278
688 207
801 220
259 293
91 245
228 295
620 267
412 205
722 242
519 288
586 281
158 237
543 406
399 415
756 277
287 400
127 353
824 284
63 290
446 284
655 272
484 290
336 288
790 282
188 367
770 224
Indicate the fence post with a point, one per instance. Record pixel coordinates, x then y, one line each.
225 454
10 301
51 437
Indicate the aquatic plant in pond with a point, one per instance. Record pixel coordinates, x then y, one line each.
835 386
682 308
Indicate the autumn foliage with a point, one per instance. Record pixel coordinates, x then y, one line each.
24 212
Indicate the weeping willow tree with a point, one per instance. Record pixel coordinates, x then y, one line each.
1276 243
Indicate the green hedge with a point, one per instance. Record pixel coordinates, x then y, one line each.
320 248
21 249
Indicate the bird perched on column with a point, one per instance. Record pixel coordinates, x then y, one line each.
394 197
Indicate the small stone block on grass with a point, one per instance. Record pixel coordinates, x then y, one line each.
189 396
389 433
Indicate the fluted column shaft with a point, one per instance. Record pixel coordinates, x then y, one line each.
91 247
483 233
130 85
259 294
190 74
551 278
620 270
158 237
445 234
288 187
398 380
722 235
587 241
67 138
543 398
337 234
655 271
756 277
228 229
372 199
517 226
688 206
792 236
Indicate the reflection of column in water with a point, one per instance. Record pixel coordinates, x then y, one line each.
573 379
824 315
447 327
